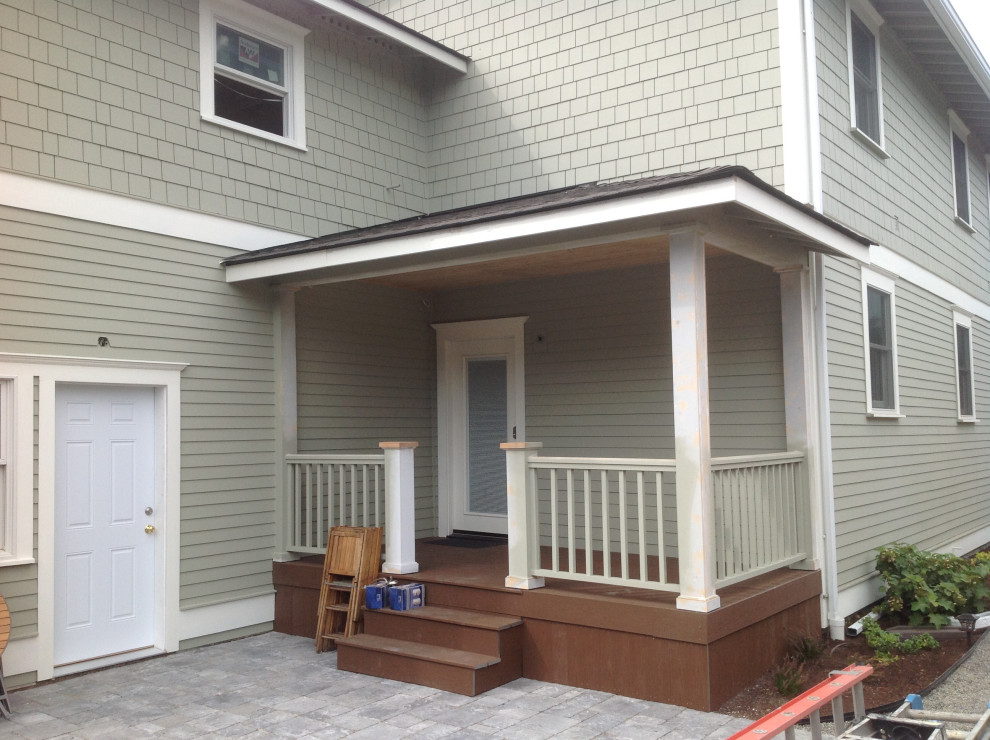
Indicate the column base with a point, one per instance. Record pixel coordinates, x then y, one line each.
400 568
524 583
699 603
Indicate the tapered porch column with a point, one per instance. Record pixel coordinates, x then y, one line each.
286 435
524 538
692 431
400 508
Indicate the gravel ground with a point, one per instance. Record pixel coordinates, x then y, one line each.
968 689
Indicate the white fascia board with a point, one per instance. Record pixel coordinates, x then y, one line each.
762 202
73 201
700 195
396 33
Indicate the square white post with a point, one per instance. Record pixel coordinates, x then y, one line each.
524 539
692 429
400 508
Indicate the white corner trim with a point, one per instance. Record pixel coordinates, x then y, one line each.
216 618
396 33
86 204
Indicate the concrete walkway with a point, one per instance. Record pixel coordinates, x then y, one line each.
276 686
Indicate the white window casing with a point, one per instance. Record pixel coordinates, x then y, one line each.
962 327
252 72
880 345
959 152
865 88
16 471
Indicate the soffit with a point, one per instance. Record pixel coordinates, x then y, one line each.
933 34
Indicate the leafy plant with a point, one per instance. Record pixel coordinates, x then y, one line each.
787 677
805 648
929 588
888 647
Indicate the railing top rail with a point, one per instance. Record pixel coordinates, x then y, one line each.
766 457
602 463
341 458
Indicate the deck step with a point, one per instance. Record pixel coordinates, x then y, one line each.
456 650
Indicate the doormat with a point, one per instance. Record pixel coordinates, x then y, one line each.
472 543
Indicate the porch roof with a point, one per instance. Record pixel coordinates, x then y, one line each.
730 201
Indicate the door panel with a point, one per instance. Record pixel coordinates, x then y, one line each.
487 423
104 482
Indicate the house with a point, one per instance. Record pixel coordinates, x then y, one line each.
698 285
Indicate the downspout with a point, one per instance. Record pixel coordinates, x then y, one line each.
836 621
830 564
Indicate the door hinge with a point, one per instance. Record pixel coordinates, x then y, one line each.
513 432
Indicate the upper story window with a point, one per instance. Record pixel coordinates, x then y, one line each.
880 344
964 366
958 135
865 99
252 71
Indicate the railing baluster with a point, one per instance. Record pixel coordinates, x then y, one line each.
309 506
661 545
589 531
571 554
606 527
554 543
623 526
641 510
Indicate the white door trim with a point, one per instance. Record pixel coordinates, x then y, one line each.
164 378
452 338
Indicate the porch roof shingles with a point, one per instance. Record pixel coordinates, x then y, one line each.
510 210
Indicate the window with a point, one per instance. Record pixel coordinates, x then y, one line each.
880 344
866 104
964 366
958 134
16 490
251 71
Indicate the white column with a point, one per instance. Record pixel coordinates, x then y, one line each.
692 432
286 410
400 508
800 408
524 537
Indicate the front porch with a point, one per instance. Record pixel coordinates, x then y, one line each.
621 639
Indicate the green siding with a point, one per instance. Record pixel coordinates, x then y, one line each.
66 282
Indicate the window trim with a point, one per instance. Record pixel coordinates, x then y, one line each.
869 17
962 319
16 482
271 29
958 130
884 284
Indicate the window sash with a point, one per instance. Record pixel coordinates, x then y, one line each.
964 370
880 329
865 87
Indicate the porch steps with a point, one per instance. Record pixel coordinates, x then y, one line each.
464 652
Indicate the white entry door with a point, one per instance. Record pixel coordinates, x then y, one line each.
481 397
104 499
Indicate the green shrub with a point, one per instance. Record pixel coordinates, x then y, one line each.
787 677
929 588
888 647
806 649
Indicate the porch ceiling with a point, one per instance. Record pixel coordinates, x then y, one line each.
579 229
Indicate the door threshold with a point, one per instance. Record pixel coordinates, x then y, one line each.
90 664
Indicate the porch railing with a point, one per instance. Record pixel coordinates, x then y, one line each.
759 506
605 520
332 490
615 520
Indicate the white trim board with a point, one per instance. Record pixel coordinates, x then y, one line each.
615 211
210 620
85 204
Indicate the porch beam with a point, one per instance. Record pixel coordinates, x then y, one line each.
523 529
400 508
286 414
692 428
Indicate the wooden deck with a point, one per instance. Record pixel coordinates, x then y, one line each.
629 641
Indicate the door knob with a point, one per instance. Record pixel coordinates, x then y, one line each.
149 528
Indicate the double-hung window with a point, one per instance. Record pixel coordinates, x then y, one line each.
16 491
963 326
252 71
865 99
880 344
958 136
